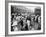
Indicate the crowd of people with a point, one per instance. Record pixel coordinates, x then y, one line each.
26 22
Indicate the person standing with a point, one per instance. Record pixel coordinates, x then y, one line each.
28 22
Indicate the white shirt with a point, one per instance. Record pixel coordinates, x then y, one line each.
14 23
15 29
28 22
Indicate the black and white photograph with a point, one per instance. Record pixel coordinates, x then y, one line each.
25 17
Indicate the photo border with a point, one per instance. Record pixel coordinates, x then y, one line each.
6 17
